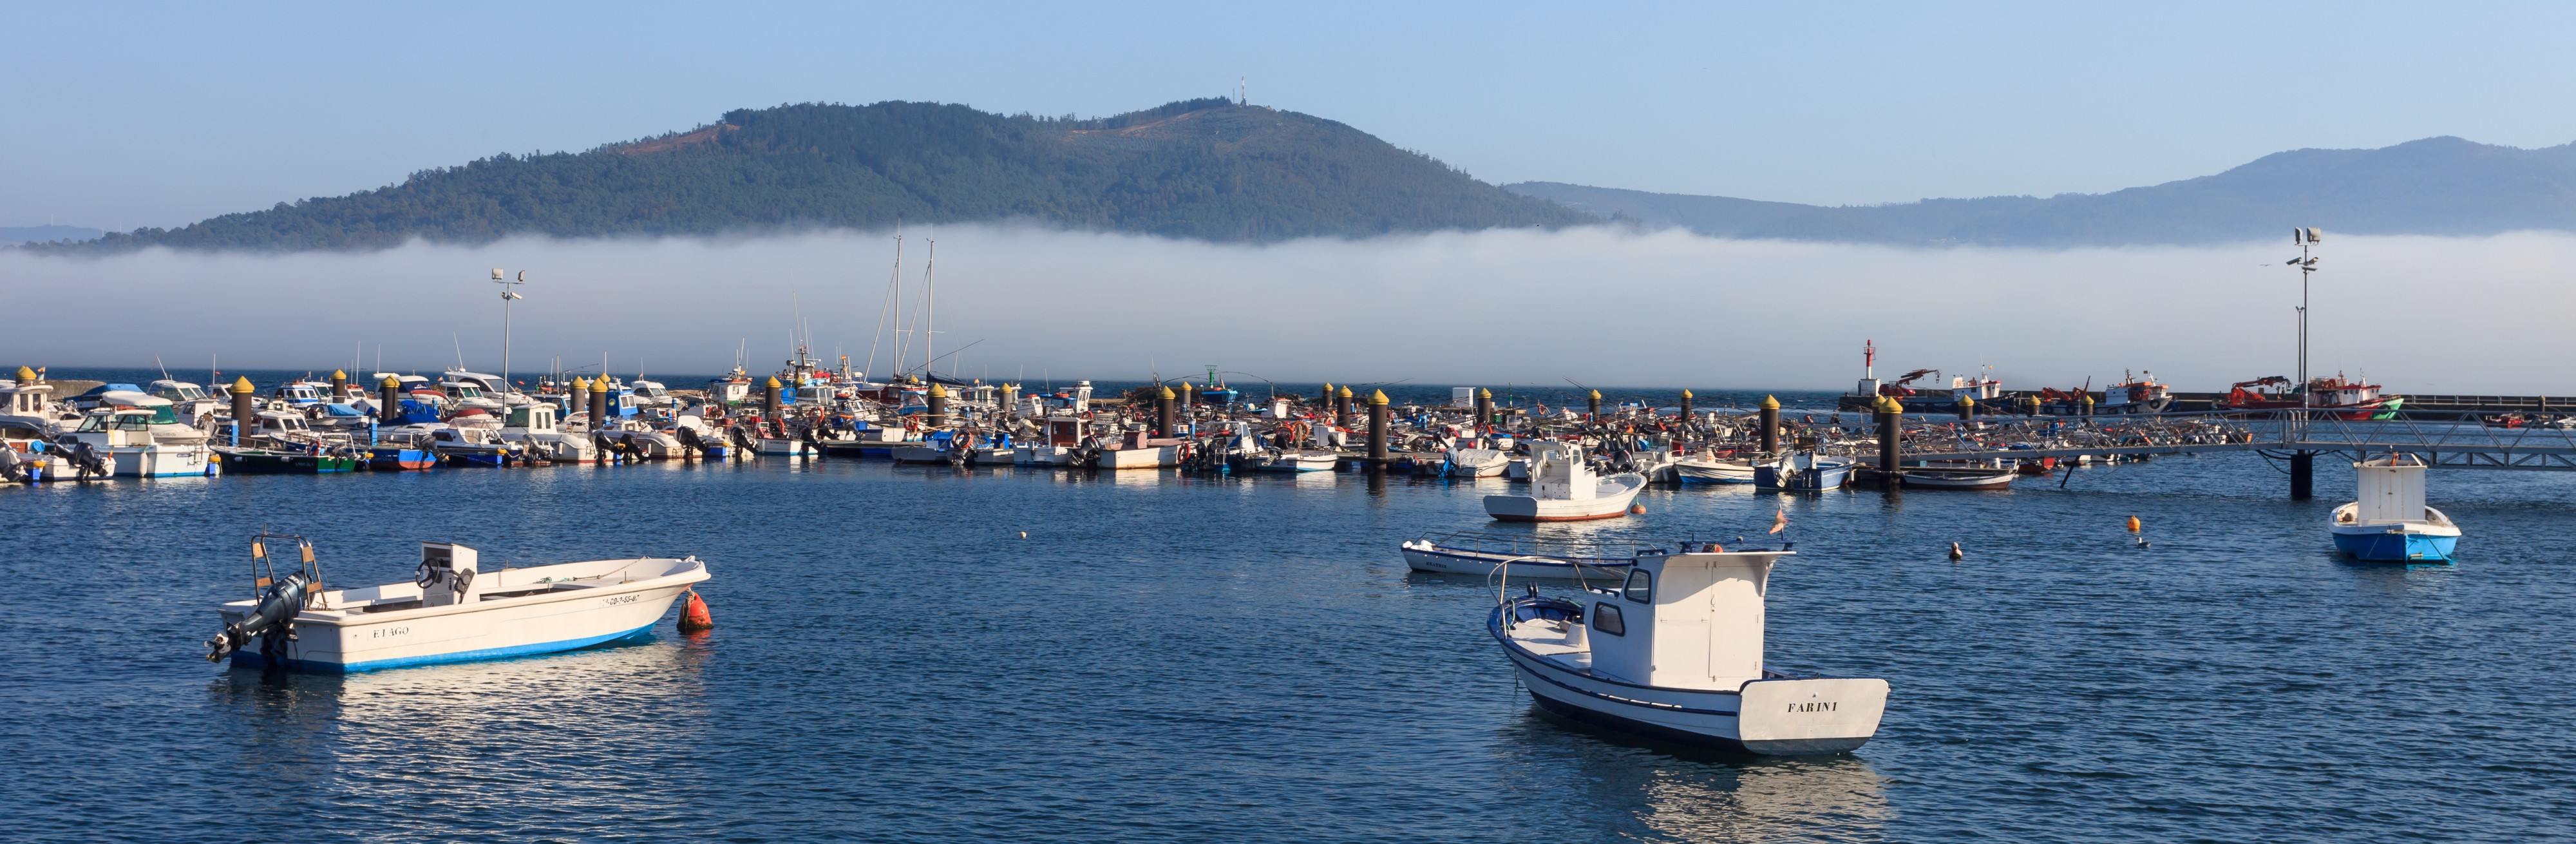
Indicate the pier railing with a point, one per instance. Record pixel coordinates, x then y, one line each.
2538 444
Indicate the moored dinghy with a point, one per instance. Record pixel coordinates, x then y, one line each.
2388 520
451 611
1675 653
1468 554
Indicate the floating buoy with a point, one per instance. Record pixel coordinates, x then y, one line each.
1636 509
1956 554
1024 534
2133 524
693 615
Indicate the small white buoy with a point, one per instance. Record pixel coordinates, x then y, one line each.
1955 553
1024 534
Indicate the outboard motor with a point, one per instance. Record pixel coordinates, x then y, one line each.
86 461
689 440
272 621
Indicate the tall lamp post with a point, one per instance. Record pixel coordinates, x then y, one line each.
509 293
2303 463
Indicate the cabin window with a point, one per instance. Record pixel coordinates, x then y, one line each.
1641 587
1605 619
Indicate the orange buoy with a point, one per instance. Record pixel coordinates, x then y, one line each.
693 615
1636 509
2133 524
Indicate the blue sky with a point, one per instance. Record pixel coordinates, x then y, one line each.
126 115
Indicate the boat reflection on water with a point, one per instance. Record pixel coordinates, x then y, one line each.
531 731
1683 793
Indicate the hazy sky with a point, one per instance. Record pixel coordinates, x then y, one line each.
1597 305
122 115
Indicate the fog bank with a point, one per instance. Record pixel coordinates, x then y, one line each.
1602 306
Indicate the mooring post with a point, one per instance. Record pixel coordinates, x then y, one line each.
1163 413
2088 404
1484 407
1967 409
1342 414
2034 405
1010 400
1686 405
769 398
1891 435
2303 475
244 419
1592 407
1770 421
339 385
1326 405
1377 429
935 415
1186 399
389 399
599 402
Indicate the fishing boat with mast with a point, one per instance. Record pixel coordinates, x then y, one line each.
1563 488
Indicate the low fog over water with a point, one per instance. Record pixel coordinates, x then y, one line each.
1600 305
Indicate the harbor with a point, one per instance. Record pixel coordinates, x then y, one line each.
1281 660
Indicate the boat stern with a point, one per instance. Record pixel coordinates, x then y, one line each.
1810 716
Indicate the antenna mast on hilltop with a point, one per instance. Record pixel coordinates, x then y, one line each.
1243 90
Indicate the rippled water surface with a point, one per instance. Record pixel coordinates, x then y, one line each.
1168 658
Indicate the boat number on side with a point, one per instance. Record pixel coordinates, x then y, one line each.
624 599
382 632
1815 706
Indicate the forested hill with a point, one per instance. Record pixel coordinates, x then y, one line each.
1206 169
2434 186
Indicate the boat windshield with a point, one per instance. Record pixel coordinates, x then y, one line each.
165 415
463 392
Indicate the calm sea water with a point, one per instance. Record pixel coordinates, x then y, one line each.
1169 658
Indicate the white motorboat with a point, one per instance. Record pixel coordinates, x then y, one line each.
129 441
1137 451
2388 521
451 611
1676 653
1709 469
1983 477
1564 489
1293 461
534 426
1453 555
1478 462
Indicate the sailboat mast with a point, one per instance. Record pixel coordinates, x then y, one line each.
929 307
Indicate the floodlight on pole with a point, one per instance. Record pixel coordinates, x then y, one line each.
509 293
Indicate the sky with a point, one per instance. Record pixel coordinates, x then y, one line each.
125 115
1598 305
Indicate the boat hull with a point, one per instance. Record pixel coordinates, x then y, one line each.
2392 546
258 463
1803 480
400 459
1138 458
1776 717
1997 479
1424 557
1717 473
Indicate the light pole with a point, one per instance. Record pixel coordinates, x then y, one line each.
2303 463
508 293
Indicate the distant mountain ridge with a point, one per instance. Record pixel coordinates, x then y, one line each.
1209 169
2434 186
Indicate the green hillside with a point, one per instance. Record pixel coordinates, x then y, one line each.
1206 169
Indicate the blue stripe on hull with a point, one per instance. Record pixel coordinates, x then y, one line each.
2397 548
250 658
1654 731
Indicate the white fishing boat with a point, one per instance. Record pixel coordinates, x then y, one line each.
1478 462
450 611
2388 521
1980 477
1676 653
1461 554
1137 451
534 426
1803 471
1710 469
1564 489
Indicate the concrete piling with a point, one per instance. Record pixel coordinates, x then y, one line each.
936 413
1326 405
1377 429
1891 432
1186 396
1686 405
769 399
599 403
1342 409
245 419
2303 475
1010 399
1484 407
2088 404
339 385
1967 409
1770 422
1592 407
1163 422
389 400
